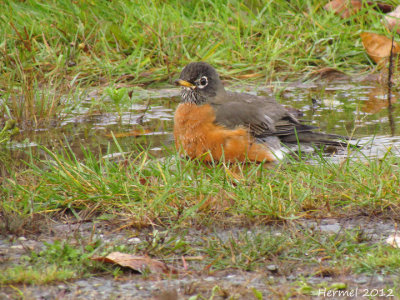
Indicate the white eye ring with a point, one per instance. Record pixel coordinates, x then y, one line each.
202 82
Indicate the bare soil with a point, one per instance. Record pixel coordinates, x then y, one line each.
275 280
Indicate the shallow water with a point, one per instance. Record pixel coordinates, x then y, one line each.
357 109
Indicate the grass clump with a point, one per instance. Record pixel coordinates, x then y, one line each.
176 191
320 253
97 41
59 46
36 275
383 260
58 261
8 131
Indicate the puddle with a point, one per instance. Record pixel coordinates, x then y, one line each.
358 109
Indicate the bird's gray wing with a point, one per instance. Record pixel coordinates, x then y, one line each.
262 115
267 119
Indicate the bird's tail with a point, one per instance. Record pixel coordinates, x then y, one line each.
317 138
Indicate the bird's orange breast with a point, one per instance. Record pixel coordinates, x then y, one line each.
198 136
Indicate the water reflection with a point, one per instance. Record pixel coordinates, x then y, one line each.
357 109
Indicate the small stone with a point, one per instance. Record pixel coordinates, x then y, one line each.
361 280
335 228
18 247
209 278
291 277
134 241
71 63
81 283
272 268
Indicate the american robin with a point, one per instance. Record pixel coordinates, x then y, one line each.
212 123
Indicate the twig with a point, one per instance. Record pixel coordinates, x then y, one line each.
389 96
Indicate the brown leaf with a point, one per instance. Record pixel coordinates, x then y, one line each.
143 180
378 46
383 7
347 8
344 8
393 20
328 73
134 133
137 263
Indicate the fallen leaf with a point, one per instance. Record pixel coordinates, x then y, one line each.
394 240
393 20
143 181
328 73
344 8
378 46
134 133
137 263
382 7
347 8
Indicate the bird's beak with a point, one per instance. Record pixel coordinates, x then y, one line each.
180 82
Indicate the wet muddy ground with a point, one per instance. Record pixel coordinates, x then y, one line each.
275 280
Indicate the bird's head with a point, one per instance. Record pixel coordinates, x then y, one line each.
199 82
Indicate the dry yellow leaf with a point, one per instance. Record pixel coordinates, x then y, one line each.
137 263
393 20
344 8
378 46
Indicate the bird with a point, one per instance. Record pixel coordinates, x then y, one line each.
215 124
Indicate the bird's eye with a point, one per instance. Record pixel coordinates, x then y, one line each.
202 82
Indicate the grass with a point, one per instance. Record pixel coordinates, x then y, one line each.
52 50
318 254
63 45
36 274
58 261
100 39
177 191
94 40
